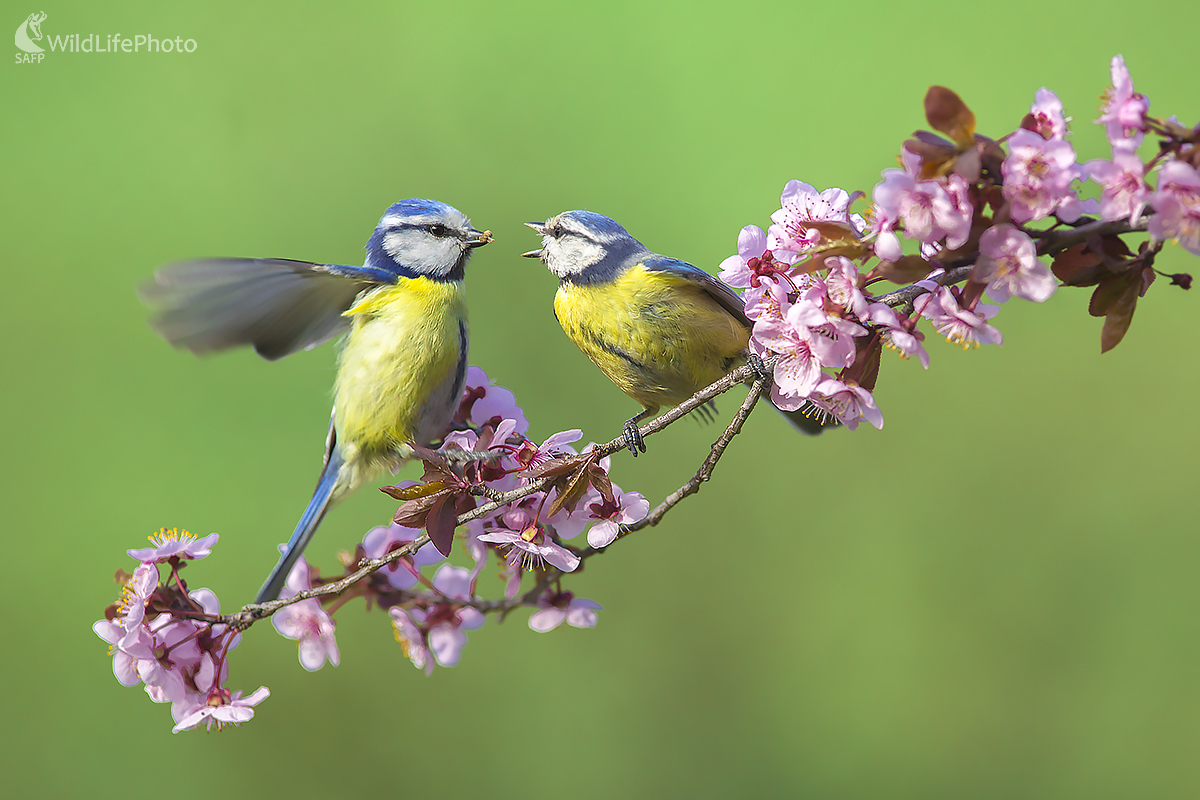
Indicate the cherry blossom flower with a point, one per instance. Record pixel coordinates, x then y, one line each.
807 216
306 622
964 328
796 374
224 708
1046 116
625 508
172 543
929 211
411 639
531 548
446 624
841 285
896 335
847 401
1177 201
490 402
736 270
1124 189
1037 178
555 608
401 574
1124 110
1009 264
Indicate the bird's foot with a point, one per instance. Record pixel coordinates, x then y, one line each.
633 437
760 369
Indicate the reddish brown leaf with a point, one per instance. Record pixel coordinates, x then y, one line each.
555 467
440 523
946 112
412 514
869 368
1110 289
413 492
601 482
570 493
1119 316
1076 266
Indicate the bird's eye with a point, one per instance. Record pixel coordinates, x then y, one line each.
438 229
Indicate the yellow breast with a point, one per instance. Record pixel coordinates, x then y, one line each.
401 353
657 336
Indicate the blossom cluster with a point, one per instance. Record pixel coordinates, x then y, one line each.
961 200
167 637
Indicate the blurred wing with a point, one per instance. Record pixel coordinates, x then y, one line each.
715 288
276 305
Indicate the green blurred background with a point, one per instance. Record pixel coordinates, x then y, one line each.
995 596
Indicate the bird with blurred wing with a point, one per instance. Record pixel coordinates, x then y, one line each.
403 357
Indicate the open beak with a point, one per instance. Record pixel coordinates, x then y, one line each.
478 239
539 228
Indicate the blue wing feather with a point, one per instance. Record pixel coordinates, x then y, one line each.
276 305
715 288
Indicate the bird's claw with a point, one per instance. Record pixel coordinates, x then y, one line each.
760 369
633 438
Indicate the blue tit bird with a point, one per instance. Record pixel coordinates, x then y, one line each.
661 329
403 358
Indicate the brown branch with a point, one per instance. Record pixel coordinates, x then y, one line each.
253 612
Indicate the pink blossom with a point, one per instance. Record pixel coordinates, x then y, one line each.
1124 190
831 337
131 606
224 708
1009 264
929 211
172 543
491 402
555 608
961 327
401 574
736 270
806 214
1046 115
1037 177
1177 201
796 374
769 300
841 285
307 622
625 508
531 548
411 639
1124 110
124 665
847 401
447 623
896 335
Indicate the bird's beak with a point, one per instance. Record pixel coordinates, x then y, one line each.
478 239
540 229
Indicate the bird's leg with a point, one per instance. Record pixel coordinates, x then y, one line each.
633 437
755 363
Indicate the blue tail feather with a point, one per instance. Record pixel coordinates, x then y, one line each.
305 529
